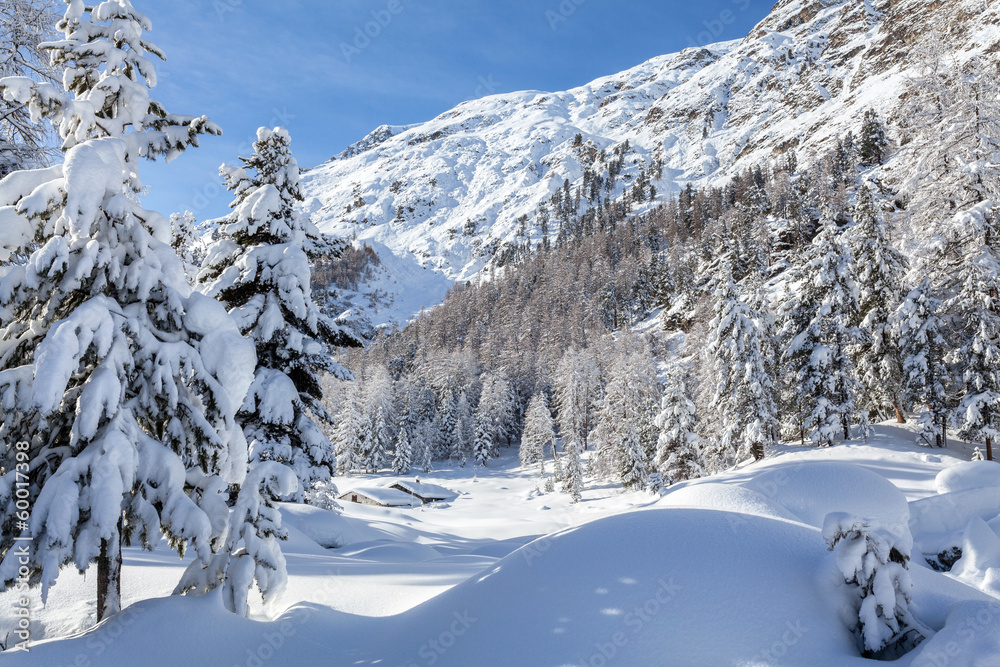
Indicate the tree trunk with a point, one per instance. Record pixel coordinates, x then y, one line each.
944 432
109 576
989 449
900 419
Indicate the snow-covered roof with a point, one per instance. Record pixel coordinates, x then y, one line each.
383 496
426 492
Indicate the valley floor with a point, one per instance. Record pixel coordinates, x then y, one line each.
730 570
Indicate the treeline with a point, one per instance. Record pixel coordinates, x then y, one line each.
796 303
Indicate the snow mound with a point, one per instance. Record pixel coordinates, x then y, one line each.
728 497
811 491
939 521
968 475
979 565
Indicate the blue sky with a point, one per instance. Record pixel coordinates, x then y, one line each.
314 67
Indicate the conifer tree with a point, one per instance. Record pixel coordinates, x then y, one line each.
744 397
872 143
259 268
347 432
402 457
251 554
817 327
538 433
679 448
874 561
577 390
880 269
463 431
572 471
978 414
918 327
625 433
122 384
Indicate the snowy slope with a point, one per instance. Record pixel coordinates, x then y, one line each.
731 570
447 194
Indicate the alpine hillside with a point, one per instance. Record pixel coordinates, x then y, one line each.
441 200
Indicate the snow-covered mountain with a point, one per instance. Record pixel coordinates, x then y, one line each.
449 193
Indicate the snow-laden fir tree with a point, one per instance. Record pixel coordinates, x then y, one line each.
187 242
744 400
576 386
625 434
24 26
872 142
918 327
122 384
251 555
880 271
817 330
978 414
348 444
423 444
572 471
259 268
538 433
379 415
463 432
874 562
403 452
679 448
494 417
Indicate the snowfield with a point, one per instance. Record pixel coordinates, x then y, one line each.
729 570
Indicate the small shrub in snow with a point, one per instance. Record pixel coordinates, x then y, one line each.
874 562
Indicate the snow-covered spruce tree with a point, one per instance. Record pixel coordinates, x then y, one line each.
872 142
874 562
679 448
817 327
402 456
978 414
380 415
576 386
259 269
880 270
572 471
538 433
463 432
918 328
251 553
423 445
347 432
122 384
744 398
494 417
625 433
24 26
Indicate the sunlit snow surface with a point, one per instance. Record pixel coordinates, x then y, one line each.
731 570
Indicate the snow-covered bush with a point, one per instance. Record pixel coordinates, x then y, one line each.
252 553
874 562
